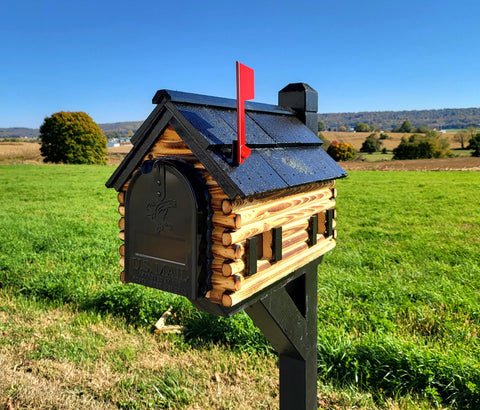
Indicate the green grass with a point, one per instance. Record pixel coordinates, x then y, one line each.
375 156
462 152
399 298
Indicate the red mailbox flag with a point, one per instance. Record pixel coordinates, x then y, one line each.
245 91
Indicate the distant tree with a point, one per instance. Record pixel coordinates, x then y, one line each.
474 144
371 144
72 138
472 131
422 129
342 128
321 126
417 146
405 127
462 137
362 127
384 136
341 151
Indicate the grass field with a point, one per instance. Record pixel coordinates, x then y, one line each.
398 317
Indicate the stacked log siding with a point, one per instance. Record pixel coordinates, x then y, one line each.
235 221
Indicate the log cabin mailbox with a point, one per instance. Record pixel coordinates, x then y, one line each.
232 236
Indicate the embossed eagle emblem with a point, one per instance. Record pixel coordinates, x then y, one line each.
158 211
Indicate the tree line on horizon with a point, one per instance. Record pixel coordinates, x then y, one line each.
110 130
448 118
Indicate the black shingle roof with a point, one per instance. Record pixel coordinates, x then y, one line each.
285 152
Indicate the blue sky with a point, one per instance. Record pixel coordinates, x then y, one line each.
108 58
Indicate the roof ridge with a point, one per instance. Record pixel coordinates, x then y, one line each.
212 101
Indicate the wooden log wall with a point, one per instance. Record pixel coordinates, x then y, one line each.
235 221
243 219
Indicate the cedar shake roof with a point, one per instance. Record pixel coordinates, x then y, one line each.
285 152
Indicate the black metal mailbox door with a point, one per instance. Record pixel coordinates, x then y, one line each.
161 241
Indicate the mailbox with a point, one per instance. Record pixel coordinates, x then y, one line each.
166 228
234 228
198 224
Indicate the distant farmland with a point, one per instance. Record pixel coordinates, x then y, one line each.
394 138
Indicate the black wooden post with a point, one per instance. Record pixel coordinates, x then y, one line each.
288 319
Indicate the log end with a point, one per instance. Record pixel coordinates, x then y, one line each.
121 210
122 277
227 207
237 280
226 269
226 300
121 197
226 239
238 221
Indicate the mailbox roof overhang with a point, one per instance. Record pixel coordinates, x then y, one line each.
285 152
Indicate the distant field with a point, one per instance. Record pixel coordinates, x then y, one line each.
394 138
20 152
29 153
399 304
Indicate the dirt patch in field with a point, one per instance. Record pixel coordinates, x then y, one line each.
440 164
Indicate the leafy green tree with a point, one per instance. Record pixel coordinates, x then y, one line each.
362 127
418 146
321 126
405 127
341 151
72 138
474 144
371 144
